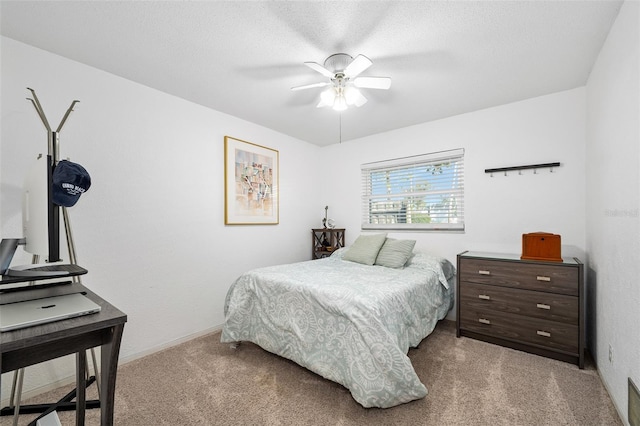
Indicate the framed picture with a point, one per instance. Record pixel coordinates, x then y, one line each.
251 183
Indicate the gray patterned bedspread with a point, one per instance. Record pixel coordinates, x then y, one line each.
347 322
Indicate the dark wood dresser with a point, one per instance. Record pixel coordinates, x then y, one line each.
533 306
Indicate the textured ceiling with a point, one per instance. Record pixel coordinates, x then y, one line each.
242 58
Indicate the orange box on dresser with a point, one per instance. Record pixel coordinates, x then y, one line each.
541 246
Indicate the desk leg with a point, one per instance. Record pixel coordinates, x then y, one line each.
81 386
109 360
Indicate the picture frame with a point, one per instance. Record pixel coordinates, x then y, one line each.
251 176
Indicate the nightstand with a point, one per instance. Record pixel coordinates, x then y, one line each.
325 241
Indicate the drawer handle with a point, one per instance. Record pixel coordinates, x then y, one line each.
484 321
543 306
543 333
481 272
540 278
484 297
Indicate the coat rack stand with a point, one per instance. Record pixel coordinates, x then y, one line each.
53 219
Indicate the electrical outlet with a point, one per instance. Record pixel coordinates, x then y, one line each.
610 353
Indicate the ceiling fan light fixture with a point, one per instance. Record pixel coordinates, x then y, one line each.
327 97
353 96
340 104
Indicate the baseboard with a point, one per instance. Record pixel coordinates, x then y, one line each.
26 394
167 345
634 403
621 413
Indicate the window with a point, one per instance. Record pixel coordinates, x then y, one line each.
420 192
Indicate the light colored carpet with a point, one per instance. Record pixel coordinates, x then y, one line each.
204 382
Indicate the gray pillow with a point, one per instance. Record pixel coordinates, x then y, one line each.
395 253
365 249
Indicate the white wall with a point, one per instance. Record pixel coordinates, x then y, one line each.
613 201
151 228
498 209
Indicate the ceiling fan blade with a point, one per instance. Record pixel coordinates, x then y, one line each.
322 70
311 86
360 100
373 82
359 64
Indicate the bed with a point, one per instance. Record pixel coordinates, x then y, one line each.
349 322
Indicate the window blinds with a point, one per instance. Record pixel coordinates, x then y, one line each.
418 192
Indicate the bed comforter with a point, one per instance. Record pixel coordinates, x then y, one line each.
348 322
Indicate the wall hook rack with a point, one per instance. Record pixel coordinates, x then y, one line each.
520 168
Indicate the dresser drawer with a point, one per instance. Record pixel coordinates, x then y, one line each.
517 328
536 304
521 275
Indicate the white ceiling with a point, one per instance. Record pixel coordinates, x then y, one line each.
242 57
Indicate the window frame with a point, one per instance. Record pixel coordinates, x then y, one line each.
404 168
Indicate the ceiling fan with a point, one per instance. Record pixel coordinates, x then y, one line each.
343 71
